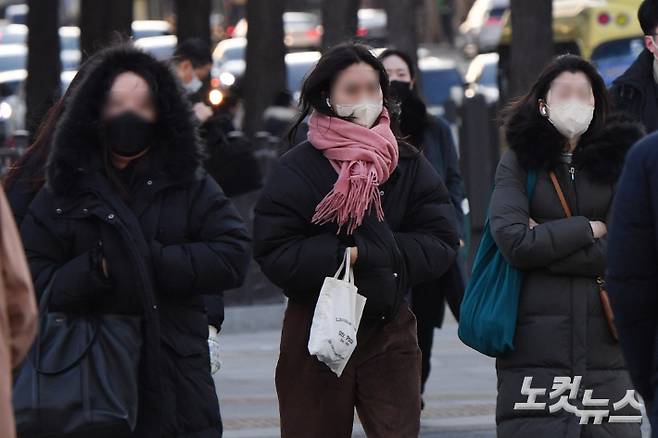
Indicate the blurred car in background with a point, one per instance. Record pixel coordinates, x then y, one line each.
612 58
229 62
231 49
70 35
17 13
13 57
161 47
482 77
302 30
229 59
150 28
441 85
298 64
607 33
13 34
483 26
12 102
371 27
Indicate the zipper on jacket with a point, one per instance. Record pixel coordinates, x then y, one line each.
572 171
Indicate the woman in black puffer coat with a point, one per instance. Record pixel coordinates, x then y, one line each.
131 224
561 329
411 240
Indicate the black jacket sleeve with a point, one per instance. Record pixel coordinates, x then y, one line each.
523 247
289 254
79 278
632 280
217 254
428 238
589 261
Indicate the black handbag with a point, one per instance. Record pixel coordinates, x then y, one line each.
81 376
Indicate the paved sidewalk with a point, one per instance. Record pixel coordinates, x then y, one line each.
460 399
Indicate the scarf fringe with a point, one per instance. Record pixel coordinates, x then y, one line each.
349 205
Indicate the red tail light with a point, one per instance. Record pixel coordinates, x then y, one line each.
492 21
362 32
230 30
604 18
313 33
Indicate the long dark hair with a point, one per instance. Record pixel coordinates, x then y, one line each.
318 83
31 166
523 112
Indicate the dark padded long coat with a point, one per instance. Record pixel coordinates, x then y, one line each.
171 238
561 330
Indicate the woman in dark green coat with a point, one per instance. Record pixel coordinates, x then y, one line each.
561 126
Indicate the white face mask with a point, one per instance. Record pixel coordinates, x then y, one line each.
194 85
571 117
364 113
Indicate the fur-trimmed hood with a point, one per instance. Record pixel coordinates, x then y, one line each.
538 145
76 148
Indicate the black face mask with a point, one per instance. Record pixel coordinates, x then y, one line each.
413 112
401 91
127 134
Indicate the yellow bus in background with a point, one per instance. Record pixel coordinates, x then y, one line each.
606 32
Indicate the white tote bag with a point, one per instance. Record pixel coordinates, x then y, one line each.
336 319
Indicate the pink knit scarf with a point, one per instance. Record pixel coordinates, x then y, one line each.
363 158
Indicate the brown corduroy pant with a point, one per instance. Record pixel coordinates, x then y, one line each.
382 380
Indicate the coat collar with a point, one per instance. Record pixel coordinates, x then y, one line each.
640 74
538 145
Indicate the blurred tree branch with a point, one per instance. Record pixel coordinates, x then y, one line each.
532 43
43 84
265 75
102 23
403 28
193 19
339 21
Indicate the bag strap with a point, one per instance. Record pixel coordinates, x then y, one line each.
347 265
560 194
35 357
603 294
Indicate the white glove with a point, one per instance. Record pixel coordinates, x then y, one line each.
213 347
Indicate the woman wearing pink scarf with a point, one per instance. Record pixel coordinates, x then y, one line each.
352 185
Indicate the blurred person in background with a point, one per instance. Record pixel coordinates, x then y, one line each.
635 92
230 163
433 137
230 160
